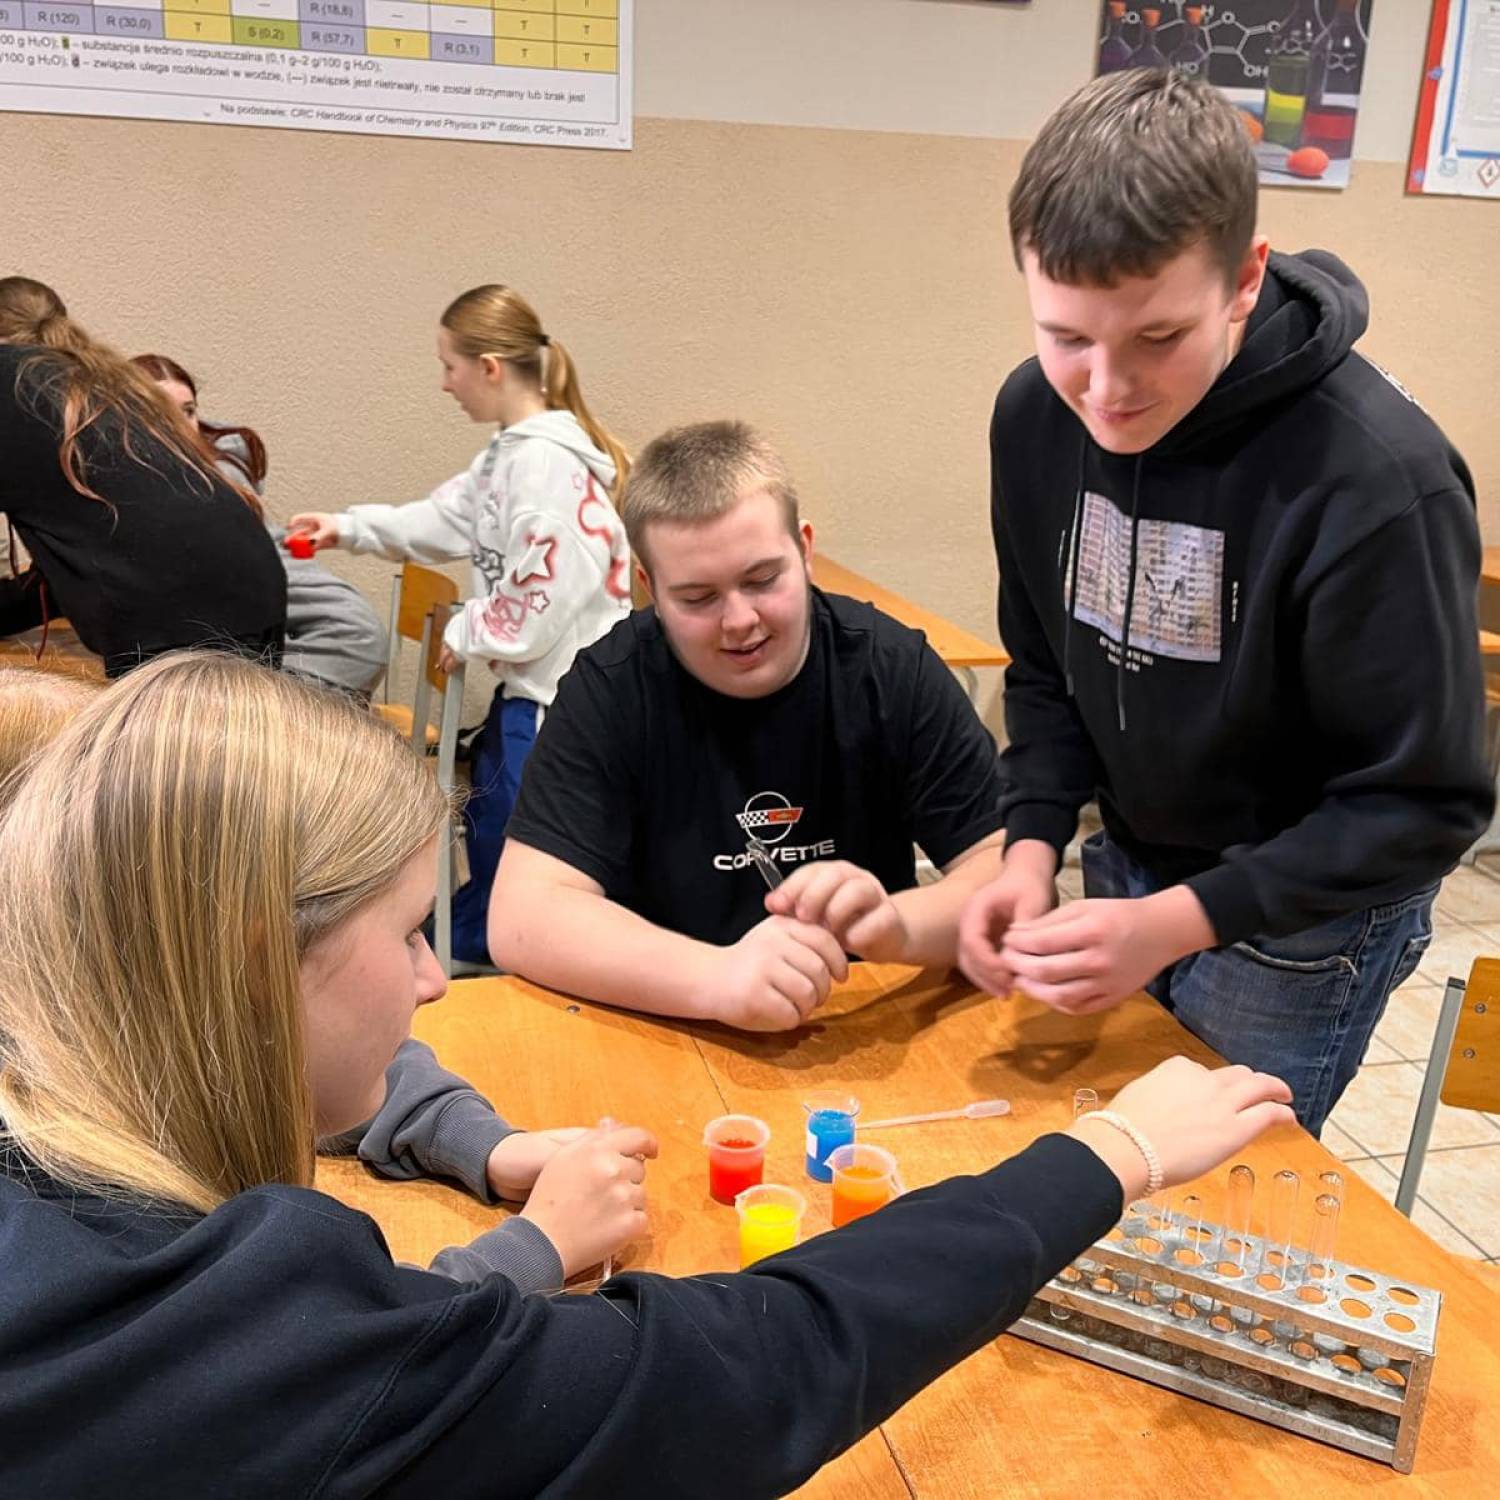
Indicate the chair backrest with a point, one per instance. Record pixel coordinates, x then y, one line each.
1472 1078
415 593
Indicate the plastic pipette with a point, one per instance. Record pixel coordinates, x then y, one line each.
982 1109
607 1268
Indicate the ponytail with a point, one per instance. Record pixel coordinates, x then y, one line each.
563 393
495 320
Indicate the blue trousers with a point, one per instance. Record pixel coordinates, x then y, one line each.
499 752
1302 1007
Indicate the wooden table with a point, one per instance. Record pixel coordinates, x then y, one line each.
64 652
957 648
1016 1419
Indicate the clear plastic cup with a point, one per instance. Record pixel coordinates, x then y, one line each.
830 1124
770 1221
736 1155
864 1179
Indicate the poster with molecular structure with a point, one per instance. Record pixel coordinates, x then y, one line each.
546 72
1456 148
1293 68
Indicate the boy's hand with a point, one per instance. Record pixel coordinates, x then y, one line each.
1091 954
774 977
847 901
1023 891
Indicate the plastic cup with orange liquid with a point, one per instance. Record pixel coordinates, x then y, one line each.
864 1179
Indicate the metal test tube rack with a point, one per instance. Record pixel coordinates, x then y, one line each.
1335 1352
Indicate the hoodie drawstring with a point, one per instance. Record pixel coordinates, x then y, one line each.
1135 508
1070 588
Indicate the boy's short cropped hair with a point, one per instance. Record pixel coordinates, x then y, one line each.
697 473
1132 170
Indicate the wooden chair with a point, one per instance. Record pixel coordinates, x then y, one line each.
415 593
451 686
422 602
1464 1068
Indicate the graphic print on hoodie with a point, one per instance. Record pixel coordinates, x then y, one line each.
550 562
1256 641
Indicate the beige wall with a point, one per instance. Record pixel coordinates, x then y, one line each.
848 289
936 67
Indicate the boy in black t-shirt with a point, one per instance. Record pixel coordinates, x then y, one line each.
746 722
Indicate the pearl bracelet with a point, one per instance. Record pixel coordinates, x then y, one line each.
1138 1139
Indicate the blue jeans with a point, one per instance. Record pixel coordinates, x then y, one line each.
500 751
1302 1007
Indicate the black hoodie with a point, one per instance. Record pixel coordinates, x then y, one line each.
272 1350
1293 721
169 558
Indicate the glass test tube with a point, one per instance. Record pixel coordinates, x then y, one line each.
1191 1209
1325 1232
1190 1252
1235 1244
1286 1186
1085 1101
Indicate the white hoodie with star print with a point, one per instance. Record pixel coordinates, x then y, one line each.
551 566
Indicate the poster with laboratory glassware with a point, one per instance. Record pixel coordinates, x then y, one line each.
1293 68
1456 147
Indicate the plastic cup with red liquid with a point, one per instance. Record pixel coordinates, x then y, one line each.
736 1155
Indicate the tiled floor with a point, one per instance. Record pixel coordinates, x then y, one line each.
1459 1202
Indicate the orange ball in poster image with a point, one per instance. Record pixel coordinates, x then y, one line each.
1309 161
1253 128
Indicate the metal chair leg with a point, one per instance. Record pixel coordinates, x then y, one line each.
1432 1088
442 921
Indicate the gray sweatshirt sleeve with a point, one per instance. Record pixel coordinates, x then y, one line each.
332 634
432 1124
516 1249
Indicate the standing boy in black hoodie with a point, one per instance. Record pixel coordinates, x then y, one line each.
1238 572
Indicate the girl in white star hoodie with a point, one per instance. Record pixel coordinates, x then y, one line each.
533 513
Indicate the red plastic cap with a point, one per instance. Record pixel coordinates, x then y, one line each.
300 545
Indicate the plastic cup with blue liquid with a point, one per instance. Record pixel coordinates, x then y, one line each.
830 1124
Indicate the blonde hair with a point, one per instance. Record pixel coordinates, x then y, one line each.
34 706
495 320
697 473
84 380
164 868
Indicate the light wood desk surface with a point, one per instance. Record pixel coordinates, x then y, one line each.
1015 1419
954 645
64 652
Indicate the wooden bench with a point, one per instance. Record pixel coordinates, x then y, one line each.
956 647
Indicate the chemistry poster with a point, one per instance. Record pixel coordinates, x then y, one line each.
1293 68
542 72
1457 143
